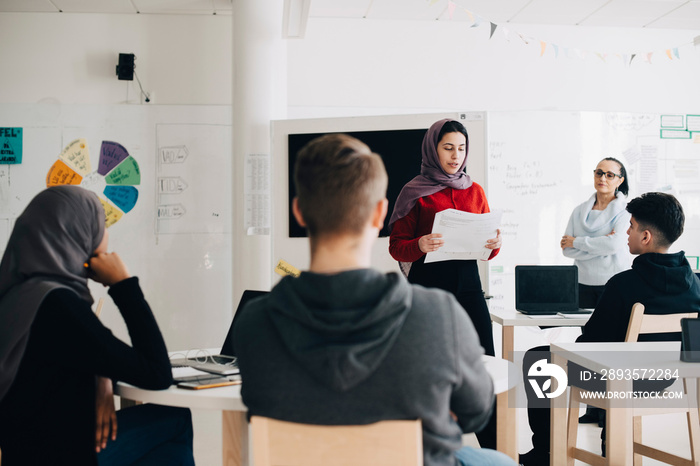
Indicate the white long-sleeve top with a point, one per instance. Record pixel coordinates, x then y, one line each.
598 254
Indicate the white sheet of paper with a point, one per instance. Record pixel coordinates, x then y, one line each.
465 235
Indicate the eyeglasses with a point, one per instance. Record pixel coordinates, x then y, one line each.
609 175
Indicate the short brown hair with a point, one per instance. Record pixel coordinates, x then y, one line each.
339 181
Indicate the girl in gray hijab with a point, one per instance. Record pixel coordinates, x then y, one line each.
56 358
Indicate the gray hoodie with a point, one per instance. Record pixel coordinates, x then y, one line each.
359 347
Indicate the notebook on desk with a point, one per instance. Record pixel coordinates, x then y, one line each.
547 290
225 362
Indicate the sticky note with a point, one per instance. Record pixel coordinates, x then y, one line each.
284 268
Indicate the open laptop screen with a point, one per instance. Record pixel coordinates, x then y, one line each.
546 288
227 347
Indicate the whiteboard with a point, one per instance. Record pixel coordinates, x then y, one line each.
181 255
540 166
295 251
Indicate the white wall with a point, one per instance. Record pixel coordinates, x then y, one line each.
72 58
355 67
348 67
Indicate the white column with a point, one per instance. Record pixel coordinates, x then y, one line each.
259 96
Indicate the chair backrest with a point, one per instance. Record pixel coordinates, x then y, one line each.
293 444
641 323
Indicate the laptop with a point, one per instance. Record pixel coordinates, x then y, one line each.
225 362
547 289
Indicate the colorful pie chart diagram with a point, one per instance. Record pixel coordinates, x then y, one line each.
114 181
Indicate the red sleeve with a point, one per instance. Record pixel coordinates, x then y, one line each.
403 241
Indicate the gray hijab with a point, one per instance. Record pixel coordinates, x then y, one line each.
432 177
51 240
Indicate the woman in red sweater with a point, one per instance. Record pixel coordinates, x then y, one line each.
442 184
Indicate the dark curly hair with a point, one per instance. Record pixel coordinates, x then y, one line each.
661 213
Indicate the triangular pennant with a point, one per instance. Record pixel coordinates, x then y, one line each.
506 33
451 8
649 56
632 58
675 52
477 23
623 58
470 14
600 55
556 50
433 2
522 37
543 46
493 29
668 54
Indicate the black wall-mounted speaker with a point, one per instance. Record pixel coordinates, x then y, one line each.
125 68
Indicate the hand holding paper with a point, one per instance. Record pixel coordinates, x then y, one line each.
465 235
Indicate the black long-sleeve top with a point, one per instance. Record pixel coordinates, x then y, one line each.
48 416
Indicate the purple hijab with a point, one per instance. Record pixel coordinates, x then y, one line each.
432 177
52 239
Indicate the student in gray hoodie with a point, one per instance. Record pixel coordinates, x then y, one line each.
343 344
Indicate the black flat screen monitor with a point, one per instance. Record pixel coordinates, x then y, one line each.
546 289
399 149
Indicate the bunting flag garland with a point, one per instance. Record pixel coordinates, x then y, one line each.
470 14
451 8
506 33
625 58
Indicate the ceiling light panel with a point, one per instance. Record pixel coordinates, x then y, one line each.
406 9
26 6
631 13
562 12
92 6
177 7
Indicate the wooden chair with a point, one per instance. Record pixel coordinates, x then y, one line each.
384 443
639 324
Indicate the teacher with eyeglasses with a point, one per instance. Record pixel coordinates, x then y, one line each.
596 235
596 238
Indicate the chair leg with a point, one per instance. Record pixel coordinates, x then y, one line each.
572 425
637 439
693 422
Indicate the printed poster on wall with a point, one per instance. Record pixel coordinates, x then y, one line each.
10 145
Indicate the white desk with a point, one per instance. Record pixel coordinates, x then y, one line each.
235 424
227 399
603 356
510 319
507 441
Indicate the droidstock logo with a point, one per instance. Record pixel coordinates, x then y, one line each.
542 369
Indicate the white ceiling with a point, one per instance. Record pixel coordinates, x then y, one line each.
668 14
